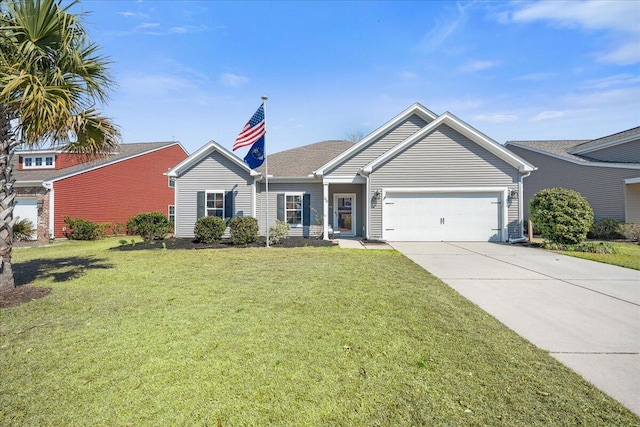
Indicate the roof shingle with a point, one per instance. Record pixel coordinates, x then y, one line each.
302 161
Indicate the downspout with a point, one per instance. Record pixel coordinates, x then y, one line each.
522 237
49 186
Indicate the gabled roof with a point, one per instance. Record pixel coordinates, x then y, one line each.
124 152
203 152
466 130
302 161
607 141
416 109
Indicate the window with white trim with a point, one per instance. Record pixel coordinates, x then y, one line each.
172 213
172 181
38 162
215 204
293 209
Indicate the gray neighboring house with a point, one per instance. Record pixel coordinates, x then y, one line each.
419 177
605 170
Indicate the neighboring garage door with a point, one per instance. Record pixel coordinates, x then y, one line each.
430 217
27 208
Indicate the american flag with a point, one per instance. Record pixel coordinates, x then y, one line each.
252 131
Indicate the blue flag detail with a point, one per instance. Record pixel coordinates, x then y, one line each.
255 156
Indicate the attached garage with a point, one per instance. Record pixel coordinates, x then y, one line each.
444 216
27 208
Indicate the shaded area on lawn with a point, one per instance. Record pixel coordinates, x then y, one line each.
182 243
58 269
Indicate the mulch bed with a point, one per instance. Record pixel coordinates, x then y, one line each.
21 294
178 243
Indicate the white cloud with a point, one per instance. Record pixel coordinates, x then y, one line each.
496 118
233 80
618 18
548 115
473 66
127 14
536 77
408 75
148 25
611 81
442 30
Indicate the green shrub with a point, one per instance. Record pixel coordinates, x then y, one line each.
562 215
117 228
244 230
631 232
23 230
209 229
596 248
103 228
81 229
606 229
149 226
278 232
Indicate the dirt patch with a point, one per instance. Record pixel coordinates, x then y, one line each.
21 294
177 243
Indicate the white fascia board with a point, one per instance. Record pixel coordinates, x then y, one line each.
36 152
577 162
356 179
204 151
416 109
463 128
632 180
604 145
293 179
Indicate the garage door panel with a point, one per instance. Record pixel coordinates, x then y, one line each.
437 217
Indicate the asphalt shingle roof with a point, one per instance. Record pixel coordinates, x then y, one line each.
302 161
629 133
124 151
557 147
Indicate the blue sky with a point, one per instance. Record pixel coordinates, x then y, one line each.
194 71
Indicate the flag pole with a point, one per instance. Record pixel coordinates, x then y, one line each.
266 166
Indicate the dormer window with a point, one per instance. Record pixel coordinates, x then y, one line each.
33 162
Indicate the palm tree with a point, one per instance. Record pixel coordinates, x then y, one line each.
51 79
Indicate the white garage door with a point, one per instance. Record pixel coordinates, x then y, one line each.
429 217
27 208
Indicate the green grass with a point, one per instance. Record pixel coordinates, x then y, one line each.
628 255
256 337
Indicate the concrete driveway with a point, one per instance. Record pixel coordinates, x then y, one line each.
586 314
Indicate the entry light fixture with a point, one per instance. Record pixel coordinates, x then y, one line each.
513 194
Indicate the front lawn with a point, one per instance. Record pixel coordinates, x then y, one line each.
628 255
257 337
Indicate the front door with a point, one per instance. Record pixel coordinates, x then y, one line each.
344 214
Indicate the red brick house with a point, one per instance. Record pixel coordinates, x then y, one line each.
51 184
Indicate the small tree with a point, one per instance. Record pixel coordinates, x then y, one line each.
243 229
561 215
209 229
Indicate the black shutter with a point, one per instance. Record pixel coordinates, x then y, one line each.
280 207
306 209
228 204
200 204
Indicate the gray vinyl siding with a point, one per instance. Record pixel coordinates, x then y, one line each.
378 147
444 158
602 186
633 203
215 172
314 189
629 152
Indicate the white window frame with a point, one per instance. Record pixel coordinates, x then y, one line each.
214 209
34 162
172 182
169 214
286 209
